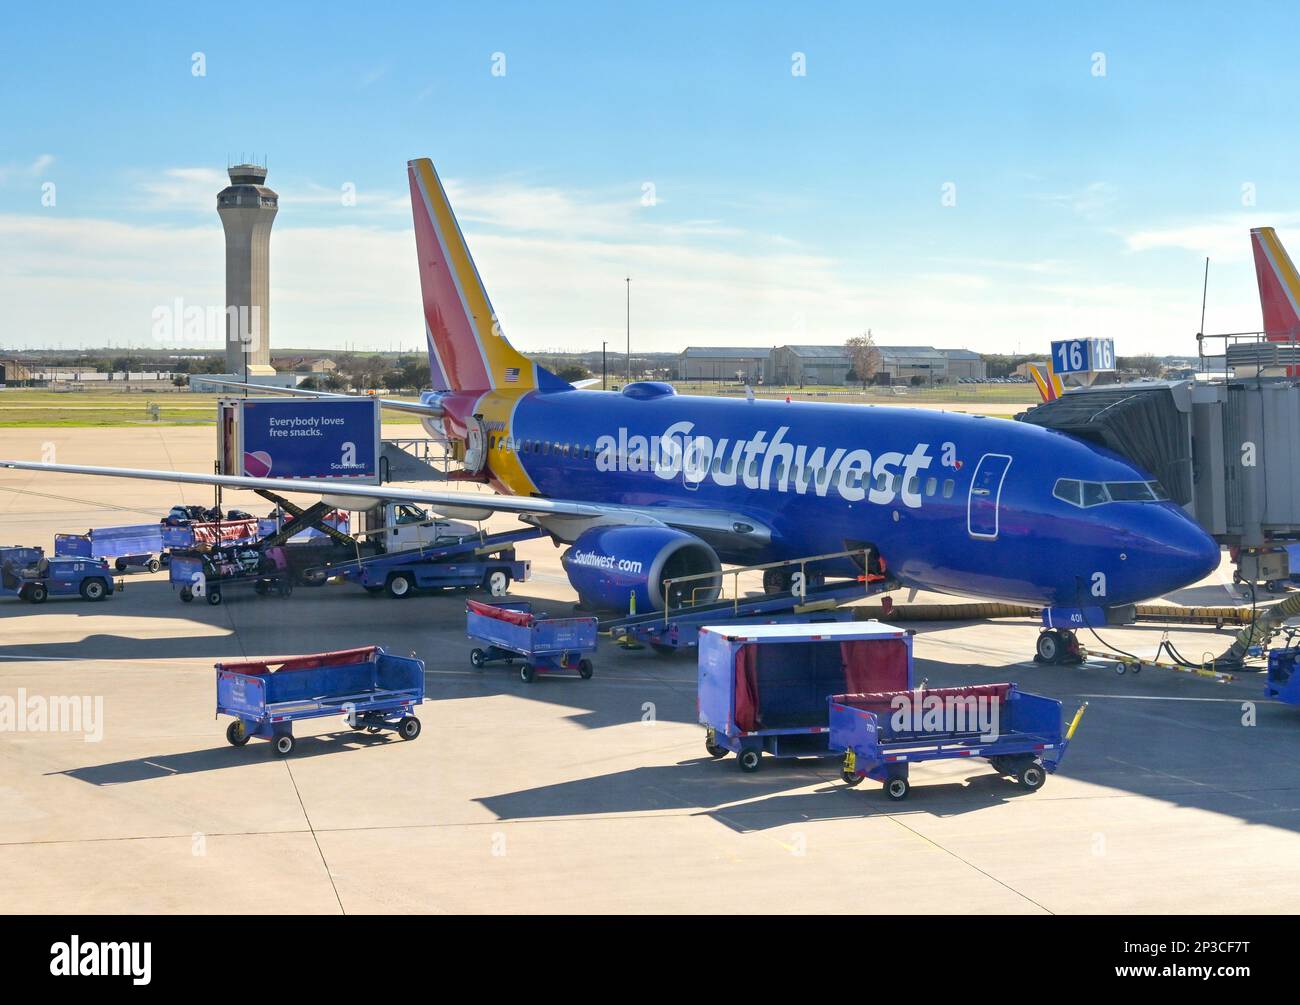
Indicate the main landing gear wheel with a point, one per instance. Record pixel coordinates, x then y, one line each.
1032 777
750 760
897 788
236 734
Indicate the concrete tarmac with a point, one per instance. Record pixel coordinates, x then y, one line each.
1178 795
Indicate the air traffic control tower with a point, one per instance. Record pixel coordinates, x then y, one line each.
247 209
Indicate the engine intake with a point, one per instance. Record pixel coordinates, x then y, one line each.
609 566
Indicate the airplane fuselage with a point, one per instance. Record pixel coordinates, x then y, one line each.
953 502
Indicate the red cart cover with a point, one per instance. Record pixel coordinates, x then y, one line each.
522 618
869 665
880 702
313 661
225 532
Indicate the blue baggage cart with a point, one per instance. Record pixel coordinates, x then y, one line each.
1282 682
763 688
546 645
207 575
373 689
881 734
27 574
134 545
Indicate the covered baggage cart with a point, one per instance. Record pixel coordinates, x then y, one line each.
545 645
763 688
881 734
135 545
373 689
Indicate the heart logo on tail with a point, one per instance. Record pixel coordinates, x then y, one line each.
257 464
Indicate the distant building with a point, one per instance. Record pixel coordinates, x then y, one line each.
306 366
964 363
791 365
722 363
14 372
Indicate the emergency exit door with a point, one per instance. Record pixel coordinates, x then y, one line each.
986 496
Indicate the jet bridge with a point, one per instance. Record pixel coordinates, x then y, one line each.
1227 450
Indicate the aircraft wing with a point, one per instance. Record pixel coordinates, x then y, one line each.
564 518
416 407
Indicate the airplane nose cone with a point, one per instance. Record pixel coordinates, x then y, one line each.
1183 553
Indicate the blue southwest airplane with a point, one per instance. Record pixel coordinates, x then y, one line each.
646 484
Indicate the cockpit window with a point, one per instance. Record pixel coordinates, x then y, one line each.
1130 492
1067 490
1087 494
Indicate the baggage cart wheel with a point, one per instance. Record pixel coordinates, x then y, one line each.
585 669
37 593
374 590
357 726
750 760
93 589
409 727
399 586
286 588
527 673
187 594
1032 776
120 565
850 778
714 750
236 734
153 565
1049 646
477 657
284 744
259 588
214 596
897 788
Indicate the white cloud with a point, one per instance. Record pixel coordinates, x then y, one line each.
555 262
31 169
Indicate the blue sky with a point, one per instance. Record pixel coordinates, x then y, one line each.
786 208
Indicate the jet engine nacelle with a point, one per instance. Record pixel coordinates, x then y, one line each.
609 566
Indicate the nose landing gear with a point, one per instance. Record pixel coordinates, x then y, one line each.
1057 646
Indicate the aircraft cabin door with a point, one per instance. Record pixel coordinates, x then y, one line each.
986 496
475 444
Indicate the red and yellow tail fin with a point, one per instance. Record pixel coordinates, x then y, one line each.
1048 383
467 351
1279 285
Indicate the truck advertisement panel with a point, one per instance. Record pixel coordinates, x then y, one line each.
320 438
